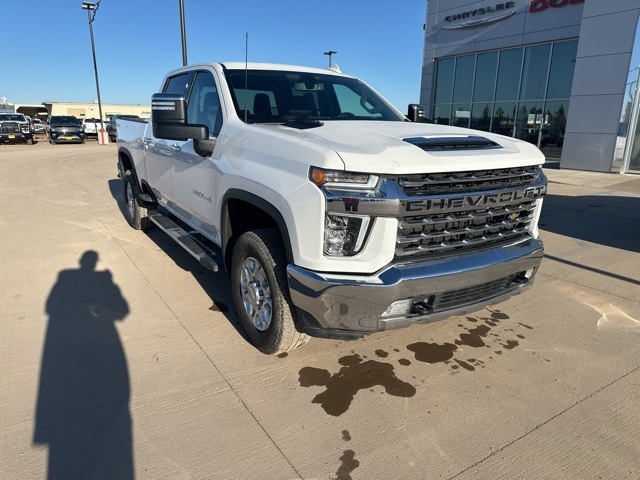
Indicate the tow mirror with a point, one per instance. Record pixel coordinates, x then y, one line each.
169 119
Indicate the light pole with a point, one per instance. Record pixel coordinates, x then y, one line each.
330 52
93 7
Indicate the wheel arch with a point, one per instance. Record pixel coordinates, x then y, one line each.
243 211
125 162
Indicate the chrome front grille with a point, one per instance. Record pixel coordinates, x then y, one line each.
10 127
434 183
467 210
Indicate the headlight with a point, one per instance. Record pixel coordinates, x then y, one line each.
344 235
339 180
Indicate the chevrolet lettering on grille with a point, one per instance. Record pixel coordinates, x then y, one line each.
479 200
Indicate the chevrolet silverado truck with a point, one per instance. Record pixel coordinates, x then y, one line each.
334 215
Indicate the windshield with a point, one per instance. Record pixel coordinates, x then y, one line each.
12 117
64 120
267 96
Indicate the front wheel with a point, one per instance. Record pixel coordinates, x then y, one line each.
261 293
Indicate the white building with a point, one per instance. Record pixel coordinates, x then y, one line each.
553 72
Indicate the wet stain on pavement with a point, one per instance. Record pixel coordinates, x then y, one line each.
354 375
432 352
346 436
475 337
349 464
358 373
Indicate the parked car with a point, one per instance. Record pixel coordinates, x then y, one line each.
65 128
38 125
91 127
15 128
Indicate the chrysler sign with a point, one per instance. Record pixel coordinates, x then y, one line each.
480 16
498 11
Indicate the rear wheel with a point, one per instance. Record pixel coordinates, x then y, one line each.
135 214
261 293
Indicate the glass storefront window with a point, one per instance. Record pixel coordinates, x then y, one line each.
521 92
481 116
485 83
563 61
554 122
442 114
463 81
461 115
534 73
504 115
444 80
528 121
509 74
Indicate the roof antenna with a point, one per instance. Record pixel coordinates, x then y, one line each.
246 73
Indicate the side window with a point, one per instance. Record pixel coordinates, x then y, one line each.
203 106
179 84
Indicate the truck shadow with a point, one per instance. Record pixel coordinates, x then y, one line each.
612 221
217 285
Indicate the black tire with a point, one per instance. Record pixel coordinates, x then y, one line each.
135 214
261 293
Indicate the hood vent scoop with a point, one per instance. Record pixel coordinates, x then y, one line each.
452 143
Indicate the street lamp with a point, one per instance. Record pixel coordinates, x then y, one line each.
330 52
93 7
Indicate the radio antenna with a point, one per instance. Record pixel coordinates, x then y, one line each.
246 73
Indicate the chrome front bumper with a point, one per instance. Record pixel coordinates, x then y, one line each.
468 282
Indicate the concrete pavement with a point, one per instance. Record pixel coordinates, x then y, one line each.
122 358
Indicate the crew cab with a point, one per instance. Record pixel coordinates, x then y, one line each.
334 215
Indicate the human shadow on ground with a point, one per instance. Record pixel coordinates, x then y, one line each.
82 410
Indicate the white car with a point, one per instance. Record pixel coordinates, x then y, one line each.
91 126
38 126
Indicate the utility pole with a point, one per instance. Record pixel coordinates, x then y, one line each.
93 7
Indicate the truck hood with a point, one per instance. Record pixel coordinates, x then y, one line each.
382 147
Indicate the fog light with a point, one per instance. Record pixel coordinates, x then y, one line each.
399 308
344 235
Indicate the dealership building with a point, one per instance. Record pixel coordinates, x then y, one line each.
553 72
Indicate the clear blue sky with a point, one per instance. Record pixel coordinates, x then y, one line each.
47 47
138 41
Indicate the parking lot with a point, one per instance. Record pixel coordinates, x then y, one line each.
122 358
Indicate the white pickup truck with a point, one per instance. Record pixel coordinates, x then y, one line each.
334 215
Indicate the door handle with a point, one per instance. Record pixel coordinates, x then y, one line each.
175 147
